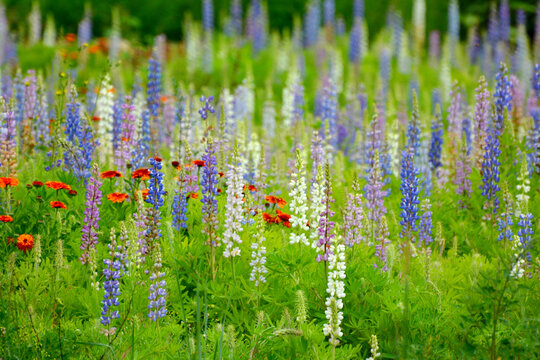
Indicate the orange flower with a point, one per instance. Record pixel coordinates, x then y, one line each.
6 218
271 199
25 242
280 202
8 182
143 174
96 118
268 218
194 196
110 174
252 188
144 193
93 49
117 197
221 174
57 185
71 37
282 215
199 163
58 205
163 99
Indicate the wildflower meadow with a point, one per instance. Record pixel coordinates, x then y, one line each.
316 192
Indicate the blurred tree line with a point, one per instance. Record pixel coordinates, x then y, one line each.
143 19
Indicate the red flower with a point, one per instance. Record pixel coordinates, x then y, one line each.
252 188
280 202
8 182
70 37
117 197
6 218
37 183
175 164
158 159
221 174
282 215
72 193
58 205
143 174
268 218
219 191
57 185
199 163
25 242
110 174
96 118
271 199
194 196
144 193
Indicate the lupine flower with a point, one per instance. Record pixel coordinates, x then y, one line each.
209 181
525 231
490 169
374 194
90 228
180 205
409 191
426 226
353 217
381 242
454 114
154 86
505 220
123 153
326 225
258 254
8 144
523 188
104 111
481 116
25 242
299 205
234 208
336 293
158 293
502 97
375 354
463 171
113 272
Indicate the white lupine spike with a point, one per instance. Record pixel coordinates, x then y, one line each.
298 204
336 292
235 209
105 112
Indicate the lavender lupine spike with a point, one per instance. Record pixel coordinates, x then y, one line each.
353 218
454 115
481 117
490 169
127 145
158 293
91 215
381 245
326 225
374 195
8 142
180 205
504 21
463 171
209 181
435 149
312 23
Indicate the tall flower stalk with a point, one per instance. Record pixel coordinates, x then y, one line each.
91 215
234 207
298 204
335 294
326 225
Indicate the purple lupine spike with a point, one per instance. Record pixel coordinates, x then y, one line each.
113 272
236 17
329 13
326 225
355 48
90 228
358 9
426 226
504 21
409 190
312 23
127 144
463 171
481 116
502 97
353 217
454 113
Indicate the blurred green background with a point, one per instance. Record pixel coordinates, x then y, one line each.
143 19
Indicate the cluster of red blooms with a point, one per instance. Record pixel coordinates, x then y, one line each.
280 217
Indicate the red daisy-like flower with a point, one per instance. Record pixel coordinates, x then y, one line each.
117 197
6 218
143 174
57 185
58 205
8 182
25 242
110 174
37 183
199 163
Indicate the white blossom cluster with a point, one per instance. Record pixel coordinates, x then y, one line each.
258 255
336 292
374 348
316 206
523 188
298 204
235 212
105 112
518 269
